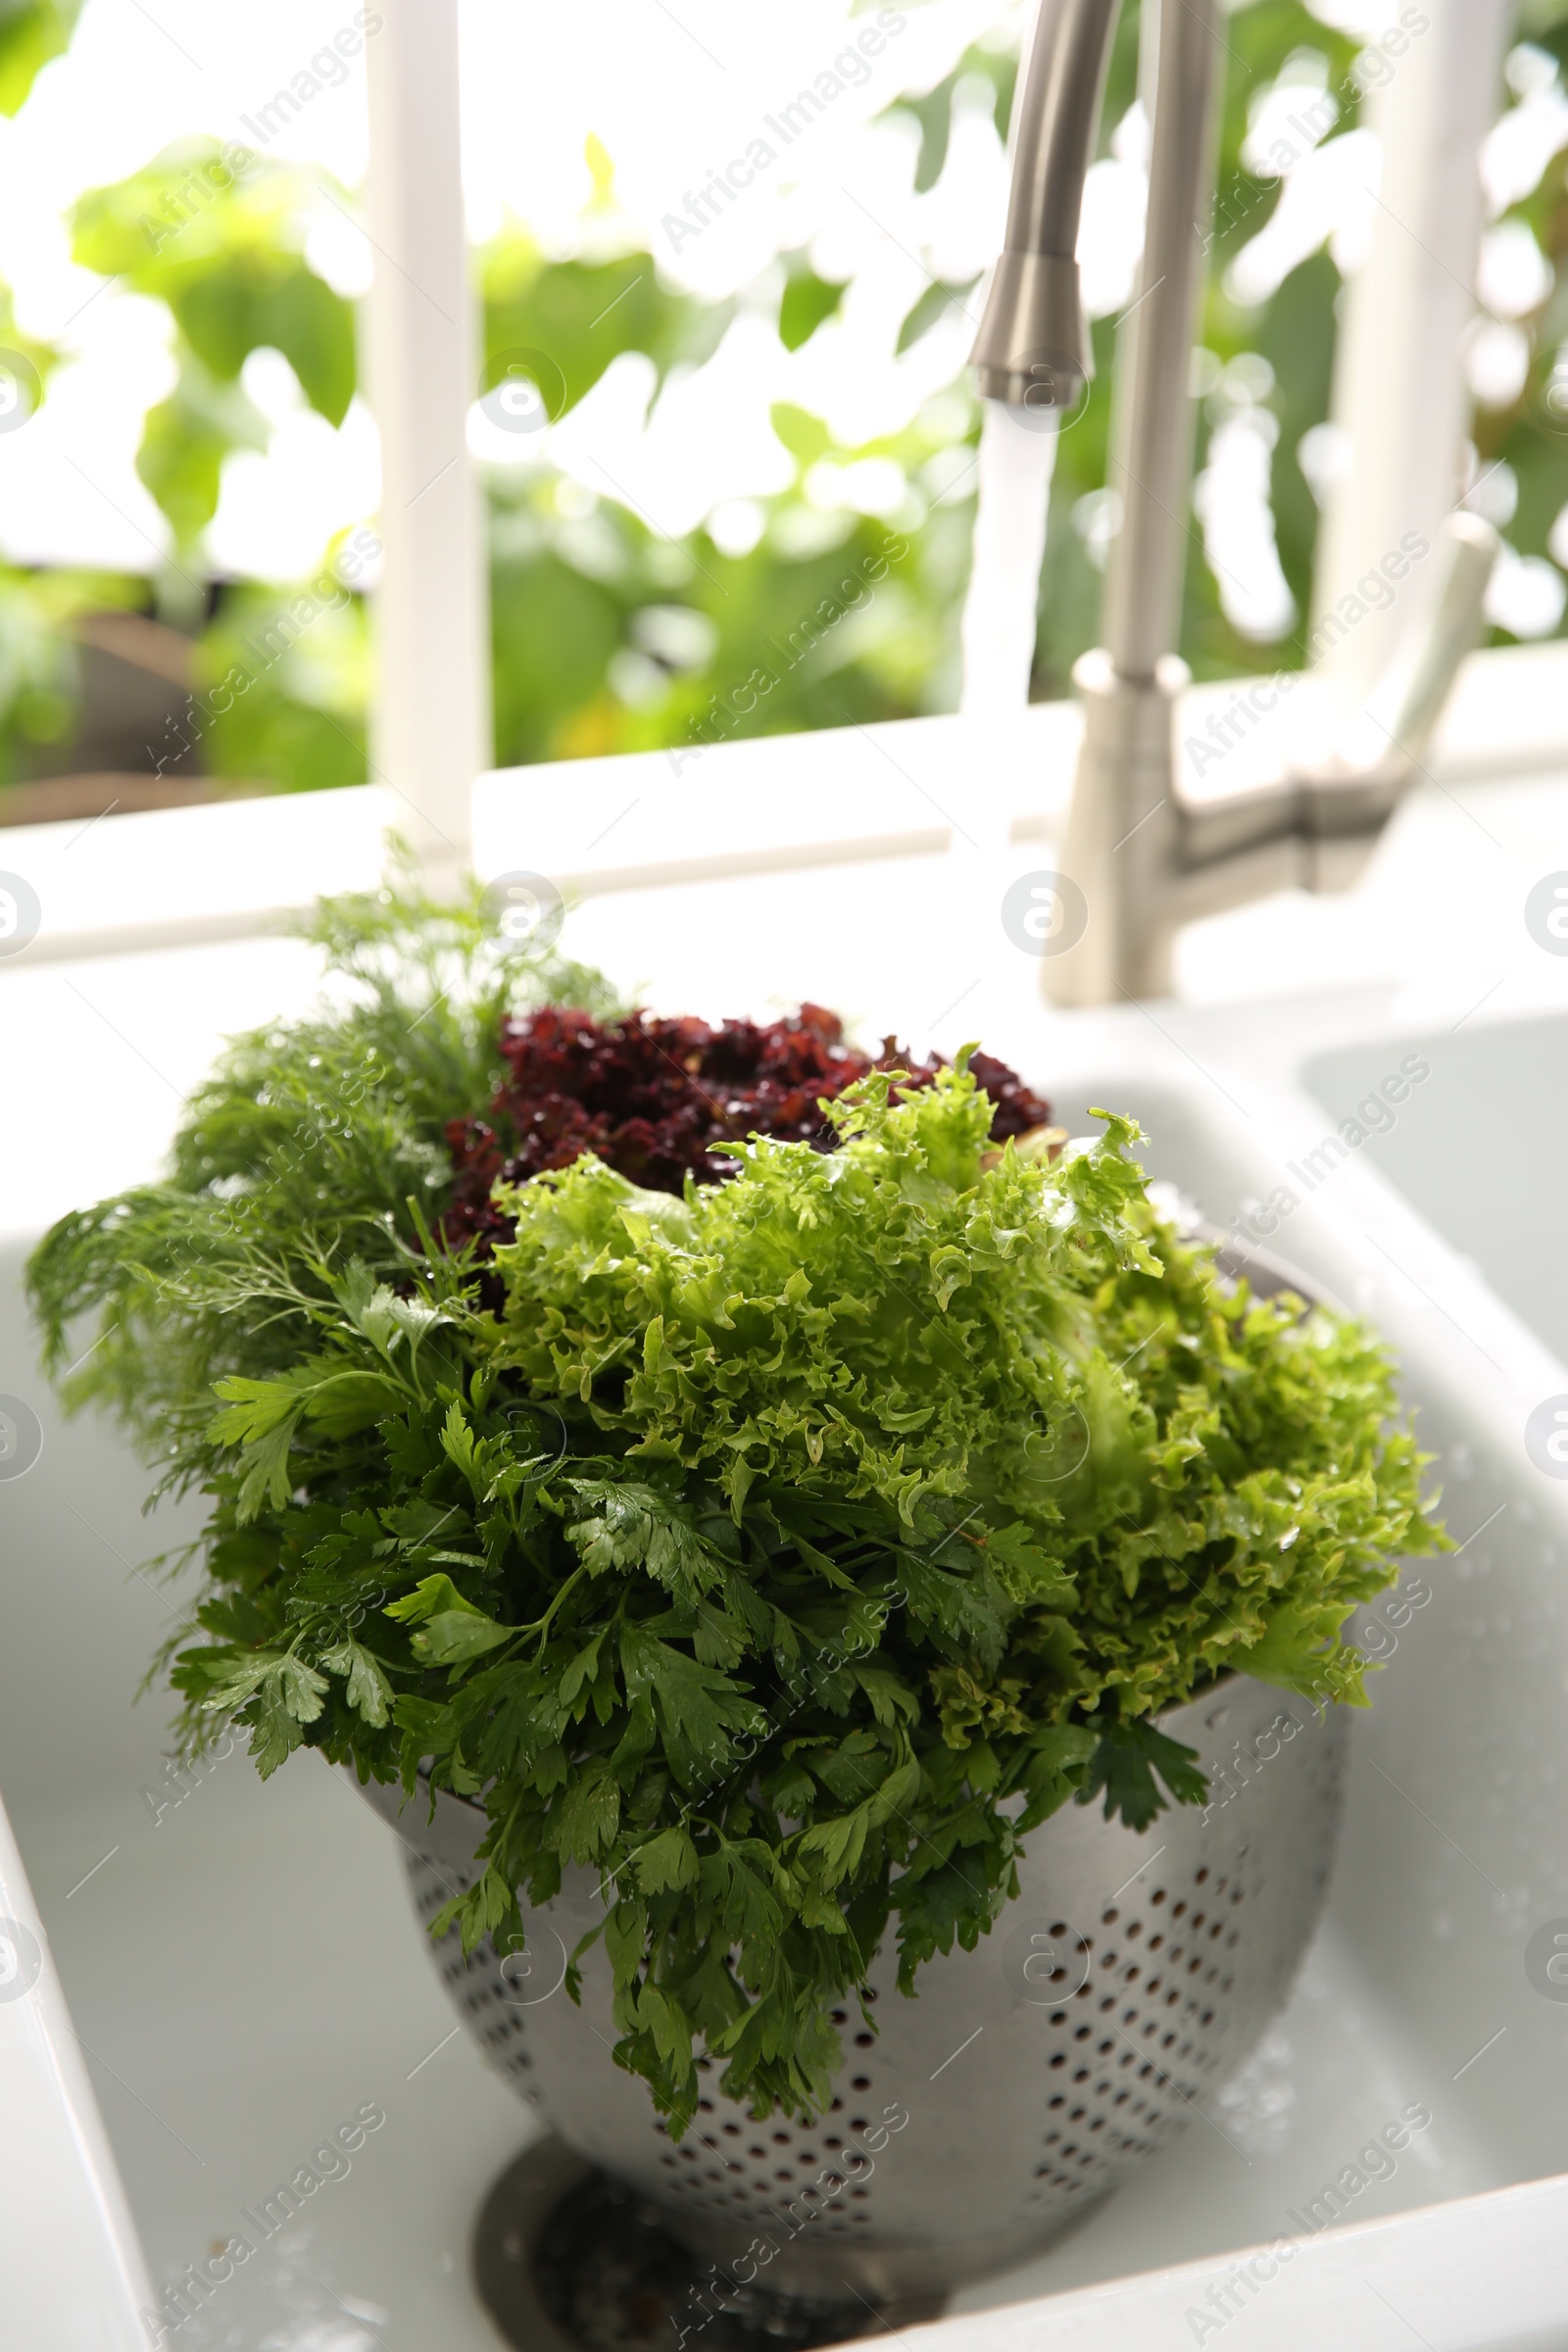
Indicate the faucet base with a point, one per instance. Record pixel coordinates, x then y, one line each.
1121 846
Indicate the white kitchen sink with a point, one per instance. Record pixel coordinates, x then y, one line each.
244 1967
242 1963
1480 1148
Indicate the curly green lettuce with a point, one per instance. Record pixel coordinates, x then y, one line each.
1170 1481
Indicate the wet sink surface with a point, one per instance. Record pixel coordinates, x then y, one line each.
1480 1146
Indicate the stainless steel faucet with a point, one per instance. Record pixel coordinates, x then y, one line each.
1148 853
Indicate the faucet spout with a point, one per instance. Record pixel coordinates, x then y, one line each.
1033 348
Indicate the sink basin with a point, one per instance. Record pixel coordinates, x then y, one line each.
247 1972
1480 1148
242 1963
70 2272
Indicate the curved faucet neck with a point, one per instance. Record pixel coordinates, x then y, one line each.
1033 348
1152 438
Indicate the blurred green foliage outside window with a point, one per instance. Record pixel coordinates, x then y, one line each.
610 636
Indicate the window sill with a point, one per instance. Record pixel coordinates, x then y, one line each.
910 788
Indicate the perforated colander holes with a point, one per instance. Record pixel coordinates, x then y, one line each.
1121 1980
474 1982
1098 2128
752 2185
757 2168
731 2163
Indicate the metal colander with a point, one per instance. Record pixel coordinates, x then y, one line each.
1132 1976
